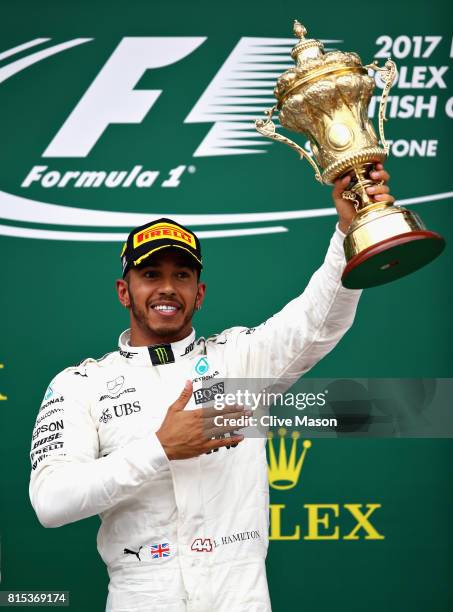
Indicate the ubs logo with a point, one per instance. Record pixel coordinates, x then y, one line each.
127 409
105 416
120 410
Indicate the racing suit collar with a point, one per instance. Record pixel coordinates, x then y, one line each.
156 354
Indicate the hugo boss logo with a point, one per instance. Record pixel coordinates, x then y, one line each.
188 349
207 394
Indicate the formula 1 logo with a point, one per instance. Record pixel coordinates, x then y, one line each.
111 100
114 100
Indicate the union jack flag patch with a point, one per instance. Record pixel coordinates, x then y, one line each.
160 550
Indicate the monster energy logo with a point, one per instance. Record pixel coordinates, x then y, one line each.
161 355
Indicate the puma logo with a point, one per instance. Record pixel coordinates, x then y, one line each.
126 551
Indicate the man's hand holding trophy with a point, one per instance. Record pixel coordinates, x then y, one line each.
325 96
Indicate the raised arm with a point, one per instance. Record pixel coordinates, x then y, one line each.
305 330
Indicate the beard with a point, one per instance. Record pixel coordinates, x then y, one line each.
166 331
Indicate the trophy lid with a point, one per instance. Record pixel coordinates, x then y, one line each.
312 63
306 47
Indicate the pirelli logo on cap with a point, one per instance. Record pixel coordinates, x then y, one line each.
161 230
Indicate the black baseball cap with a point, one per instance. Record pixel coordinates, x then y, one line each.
162 233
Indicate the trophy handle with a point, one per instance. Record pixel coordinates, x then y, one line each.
267 128
388 73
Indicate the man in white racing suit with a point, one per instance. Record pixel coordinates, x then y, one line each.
184 514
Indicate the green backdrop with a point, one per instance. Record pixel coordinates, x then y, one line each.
59 264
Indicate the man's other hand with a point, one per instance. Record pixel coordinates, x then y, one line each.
345 208
188 433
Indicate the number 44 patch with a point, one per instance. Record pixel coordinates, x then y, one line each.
201 545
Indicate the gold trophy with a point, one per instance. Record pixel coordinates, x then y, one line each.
325 96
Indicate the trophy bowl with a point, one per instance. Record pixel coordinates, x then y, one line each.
325 96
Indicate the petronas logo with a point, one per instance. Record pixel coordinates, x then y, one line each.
284 470
162 354
202 366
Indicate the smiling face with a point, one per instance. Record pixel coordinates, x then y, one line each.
162 295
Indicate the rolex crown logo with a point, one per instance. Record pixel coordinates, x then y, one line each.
284 471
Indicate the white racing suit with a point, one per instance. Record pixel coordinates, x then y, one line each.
188 535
